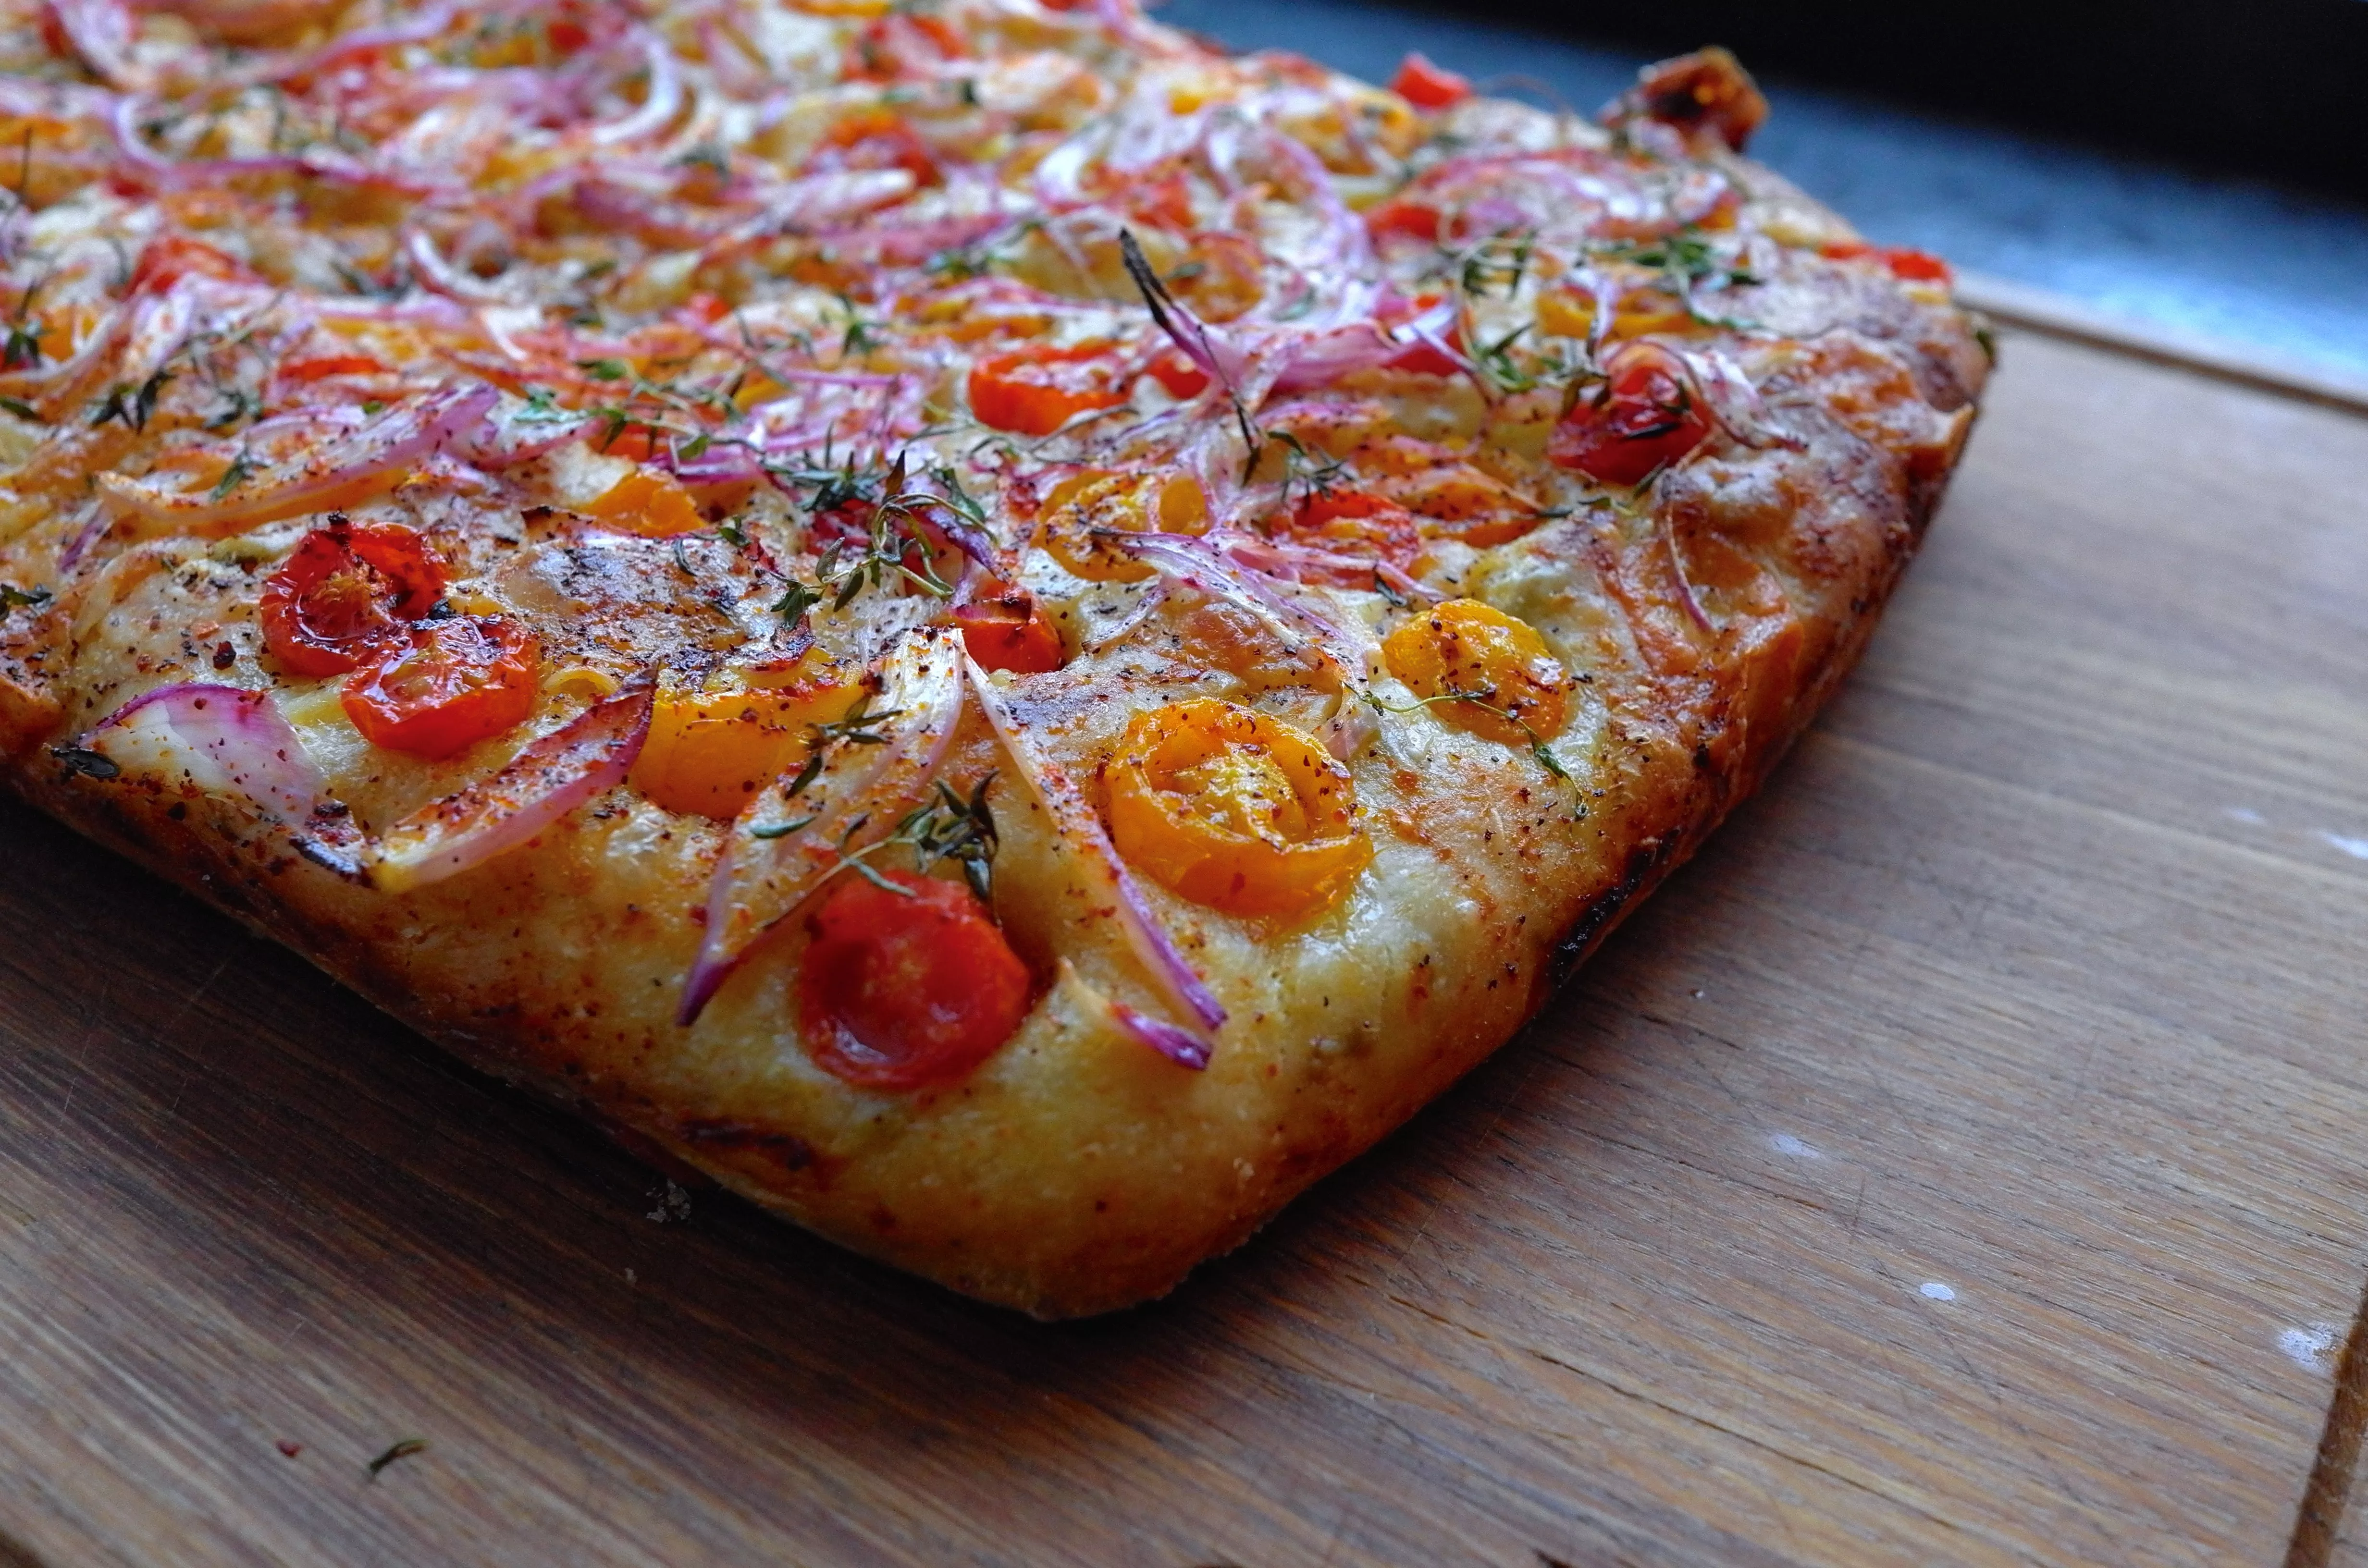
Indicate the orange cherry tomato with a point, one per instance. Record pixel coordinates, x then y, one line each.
447 685
876 139
1012 631
346 594
1644 415
1183 378
651 503
1235 809
1429 86
903 991
902 44
1520 692
1356 523
1036 390
1088 503
709 751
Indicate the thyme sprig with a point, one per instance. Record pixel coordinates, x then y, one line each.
1539 749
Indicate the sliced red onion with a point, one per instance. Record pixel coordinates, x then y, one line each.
1180 1046
1733 401
1277 558
1207 563
222 739
512 435
659 105
101 33
551 778
1352 729
182 174
766 872
444 278
1080 825
395 439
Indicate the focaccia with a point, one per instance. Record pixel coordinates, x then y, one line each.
1006 633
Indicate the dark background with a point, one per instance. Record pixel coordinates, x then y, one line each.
2277 88
2196 167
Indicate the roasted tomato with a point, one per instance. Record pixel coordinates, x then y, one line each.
1354 522
1644 415
1222 277
1519 693
1012 631
171 258
1235 809
1036 390
1429 86
1086 505
1183 378
1415 220
346 594
1908 266
446 687
649 502
710 752
876 139
906 990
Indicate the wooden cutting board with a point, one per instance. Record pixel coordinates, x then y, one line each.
1960 1161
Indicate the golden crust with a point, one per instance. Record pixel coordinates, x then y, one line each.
1702 618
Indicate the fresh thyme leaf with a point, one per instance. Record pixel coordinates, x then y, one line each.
780 829
143 402
240 471
21 409
15 598
794 604
808 774
402 1449
1380 586
90 764
604 370
730 531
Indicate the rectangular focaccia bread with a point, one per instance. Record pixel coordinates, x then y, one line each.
1010 636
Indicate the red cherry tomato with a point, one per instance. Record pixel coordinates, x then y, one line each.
1036 390
171 258
346 594
1178 375
447 685
1644 415
1913 265
1429 86
1415 220
320 367
1012 631
904 990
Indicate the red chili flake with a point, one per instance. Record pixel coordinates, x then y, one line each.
289 1446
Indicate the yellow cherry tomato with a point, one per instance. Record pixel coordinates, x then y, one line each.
649 502
1570 313
709 751
1234 810
1464 648
1128 502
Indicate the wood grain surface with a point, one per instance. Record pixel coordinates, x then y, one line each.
1960 1161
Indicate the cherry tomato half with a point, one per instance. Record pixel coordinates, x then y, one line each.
1644 415
903 990
1429 86
876 139
1183 378
346 594
1036 390
450 684
1012 631
1908 266
171 258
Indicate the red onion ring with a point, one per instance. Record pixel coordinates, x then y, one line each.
551 776
224 740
